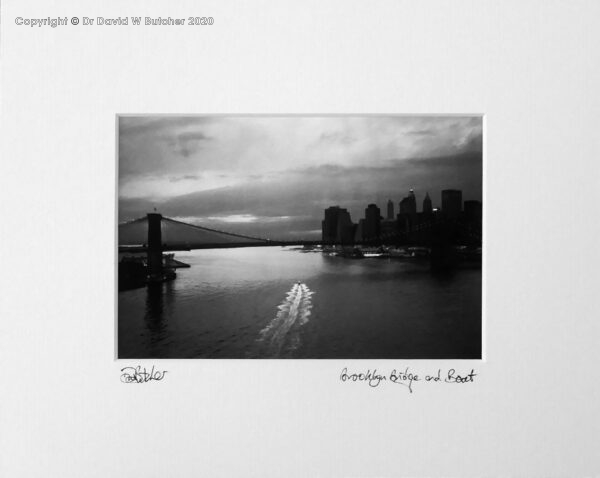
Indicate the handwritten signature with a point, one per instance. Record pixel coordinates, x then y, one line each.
405 377
141 375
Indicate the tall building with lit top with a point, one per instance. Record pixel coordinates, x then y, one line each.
408 205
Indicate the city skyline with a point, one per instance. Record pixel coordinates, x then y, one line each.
273 176
375 224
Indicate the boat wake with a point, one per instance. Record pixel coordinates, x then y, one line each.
281 336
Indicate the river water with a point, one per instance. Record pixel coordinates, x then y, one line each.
277 302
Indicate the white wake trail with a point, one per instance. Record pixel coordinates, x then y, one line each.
295 309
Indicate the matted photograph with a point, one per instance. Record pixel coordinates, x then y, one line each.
343 237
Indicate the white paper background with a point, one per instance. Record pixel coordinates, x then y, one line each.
532 68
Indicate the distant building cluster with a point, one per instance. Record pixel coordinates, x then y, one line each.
409 224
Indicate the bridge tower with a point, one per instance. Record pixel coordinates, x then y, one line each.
154 252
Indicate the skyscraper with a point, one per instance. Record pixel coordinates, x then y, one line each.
345 228
337 225
408 205
473 210
372 225
427 206
329 224
451 202
390 209
358 233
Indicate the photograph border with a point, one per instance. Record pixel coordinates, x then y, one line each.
483 117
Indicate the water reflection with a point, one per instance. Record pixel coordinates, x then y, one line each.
154 307
237 303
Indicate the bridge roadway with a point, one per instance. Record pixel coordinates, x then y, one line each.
189 247
146 235
149 238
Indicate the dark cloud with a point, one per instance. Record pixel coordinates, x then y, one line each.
164 146
193 136
305 193
287 170
192 177
474 142
327 169
151 147
186 144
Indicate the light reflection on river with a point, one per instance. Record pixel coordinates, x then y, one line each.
280 302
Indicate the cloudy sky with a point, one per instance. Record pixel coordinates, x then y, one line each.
274 176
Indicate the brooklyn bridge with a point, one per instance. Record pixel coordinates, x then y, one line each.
147 238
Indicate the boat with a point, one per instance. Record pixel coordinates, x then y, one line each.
374 254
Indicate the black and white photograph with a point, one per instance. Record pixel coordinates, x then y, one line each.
300 236
283 239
